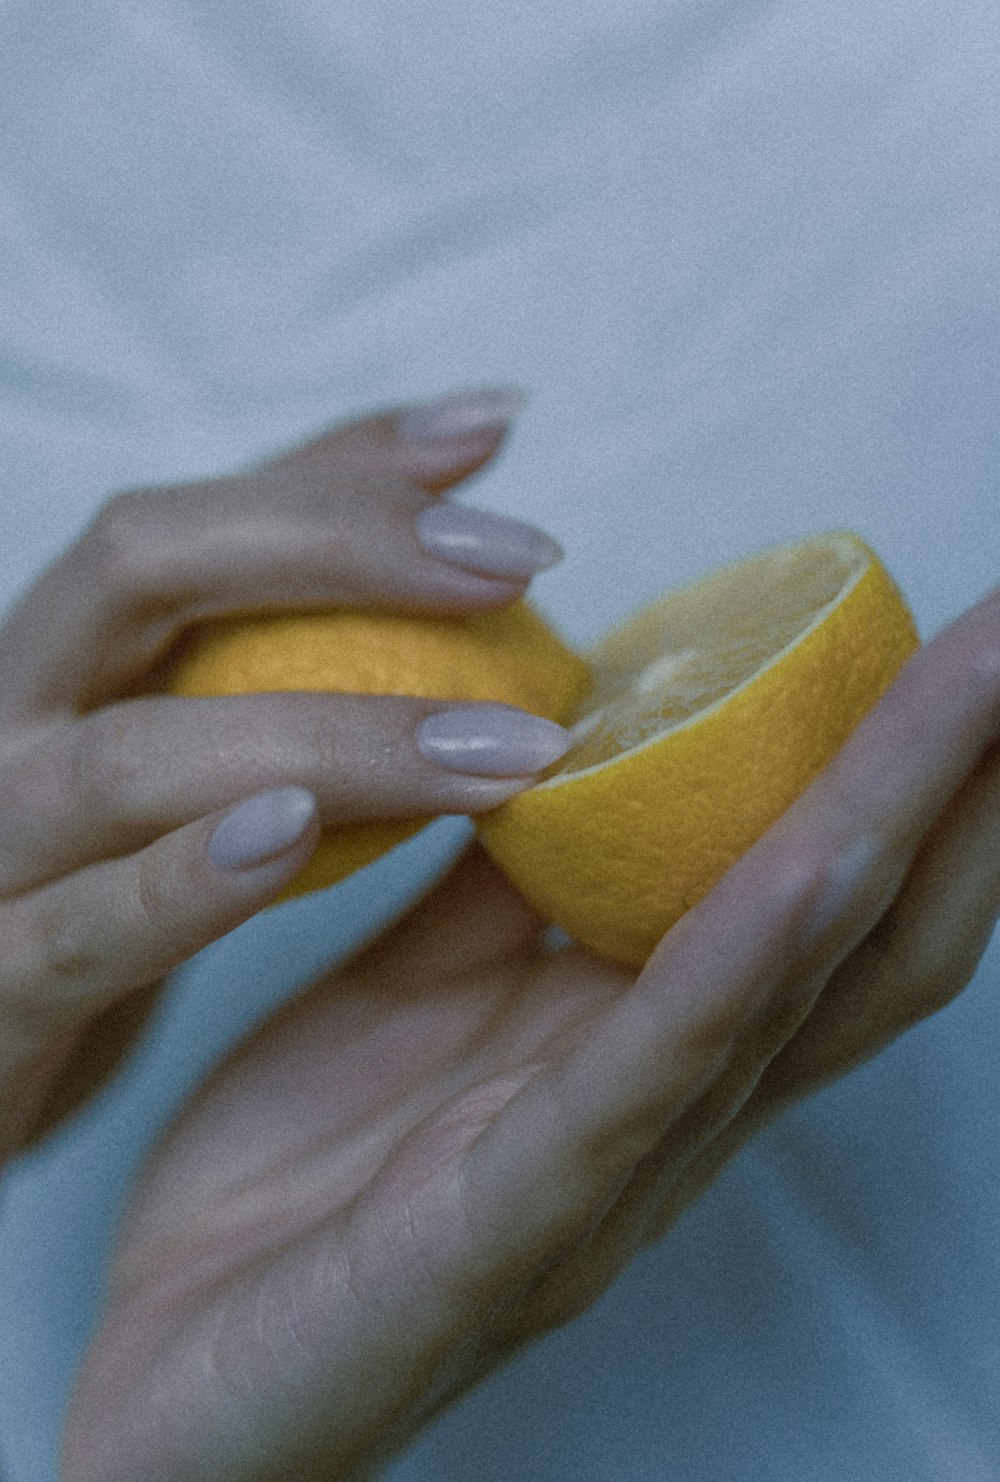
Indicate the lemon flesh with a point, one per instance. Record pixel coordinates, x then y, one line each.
708 713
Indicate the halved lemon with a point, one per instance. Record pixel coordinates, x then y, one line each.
510 655
708 713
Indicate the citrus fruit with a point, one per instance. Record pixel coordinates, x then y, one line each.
708 713
510 655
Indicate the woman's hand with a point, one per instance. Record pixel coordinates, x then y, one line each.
121 851
457 1140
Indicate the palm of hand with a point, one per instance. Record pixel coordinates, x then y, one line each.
316 1182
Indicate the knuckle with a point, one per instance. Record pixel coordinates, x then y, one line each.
47 965
116 529
122 542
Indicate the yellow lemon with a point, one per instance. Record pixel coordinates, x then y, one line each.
708 713
509 655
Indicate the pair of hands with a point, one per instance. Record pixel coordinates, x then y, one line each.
456 1140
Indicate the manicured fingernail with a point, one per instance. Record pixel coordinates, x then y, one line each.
461 416
477 540
491 741
844 884
261 827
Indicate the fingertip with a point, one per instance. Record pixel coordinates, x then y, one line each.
436 443
454 419
262 829
486 543
491 740
441 442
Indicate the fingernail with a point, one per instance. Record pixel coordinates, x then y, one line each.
461 415
491 741
844 884
261 827
477 540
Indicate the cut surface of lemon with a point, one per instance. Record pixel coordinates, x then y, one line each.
511 655
707 714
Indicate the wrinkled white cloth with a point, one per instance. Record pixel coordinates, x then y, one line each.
744 257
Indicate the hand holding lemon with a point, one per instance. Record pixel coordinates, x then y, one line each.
694 725
454 1140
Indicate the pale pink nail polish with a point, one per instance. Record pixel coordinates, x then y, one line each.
464 415
261 828
480 541
491 741
844 884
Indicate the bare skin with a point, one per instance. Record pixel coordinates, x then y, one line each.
456 1140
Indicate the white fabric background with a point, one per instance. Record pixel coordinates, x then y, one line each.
744 256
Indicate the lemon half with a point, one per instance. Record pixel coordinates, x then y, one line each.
708 713
510 655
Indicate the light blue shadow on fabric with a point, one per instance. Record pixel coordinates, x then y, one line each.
60 1205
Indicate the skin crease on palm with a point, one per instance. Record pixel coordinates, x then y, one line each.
455 1141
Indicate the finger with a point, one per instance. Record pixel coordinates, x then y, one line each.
918 957
735 978
115 780
435 444
915 961
302 532
75 946
564 1144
